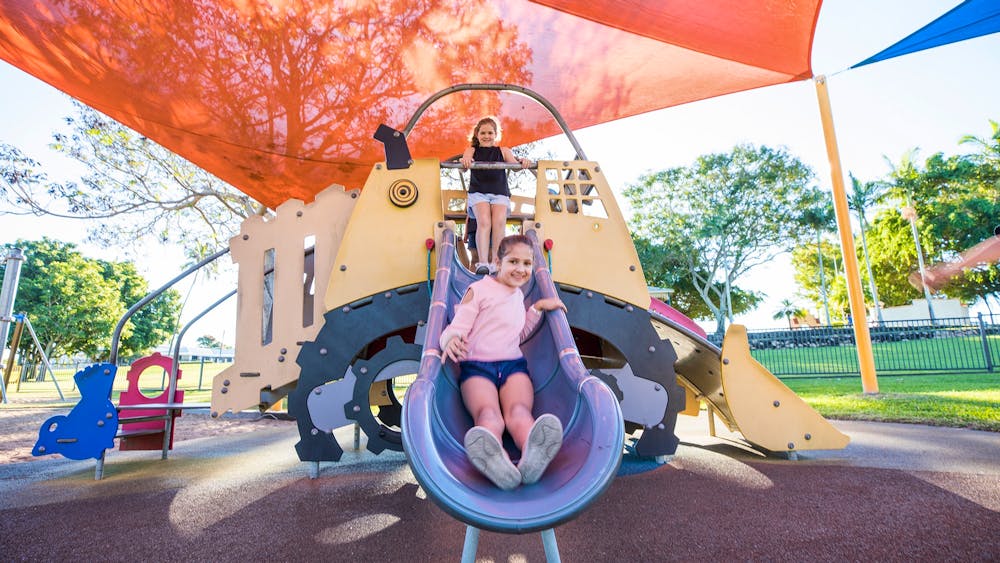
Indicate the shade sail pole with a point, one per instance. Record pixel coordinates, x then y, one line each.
866 361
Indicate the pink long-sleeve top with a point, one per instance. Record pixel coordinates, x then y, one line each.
493 322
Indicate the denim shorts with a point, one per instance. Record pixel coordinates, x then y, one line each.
497 372
492 199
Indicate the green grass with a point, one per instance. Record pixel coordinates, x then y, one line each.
958 400
31 393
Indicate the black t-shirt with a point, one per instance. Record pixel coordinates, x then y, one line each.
489 181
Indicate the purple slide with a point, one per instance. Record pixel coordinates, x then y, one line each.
435 420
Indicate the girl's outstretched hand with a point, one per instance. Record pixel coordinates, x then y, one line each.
456 349
549 304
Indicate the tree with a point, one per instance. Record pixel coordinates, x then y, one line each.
957 201
662 268
136 189
827 289
864 195
74 303
788 310
819 217
724 215
209 341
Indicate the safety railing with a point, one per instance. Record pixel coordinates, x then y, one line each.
899 347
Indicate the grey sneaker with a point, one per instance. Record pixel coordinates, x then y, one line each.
488 456
544 440
482 269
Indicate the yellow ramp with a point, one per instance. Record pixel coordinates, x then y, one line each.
764 410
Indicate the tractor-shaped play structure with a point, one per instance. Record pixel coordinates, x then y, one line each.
342 300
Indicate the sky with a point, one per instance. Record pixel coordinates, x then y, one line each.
927 100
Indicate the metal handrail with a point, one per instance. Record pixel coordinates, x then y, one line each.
489 166
501 88
116 335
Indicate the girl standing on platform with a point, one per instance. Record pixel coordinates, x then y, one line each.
489 195
484 338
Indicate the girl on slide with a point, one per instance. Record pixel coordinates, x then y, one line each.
484 338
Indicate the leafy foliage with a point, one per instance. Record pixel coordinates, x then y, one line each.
721 217
136 189
74 303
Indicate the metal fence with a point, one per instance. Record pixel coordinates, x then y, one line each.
899 347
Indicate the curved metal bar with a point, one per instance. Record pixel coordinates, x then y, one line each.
502 88
116 335
174 366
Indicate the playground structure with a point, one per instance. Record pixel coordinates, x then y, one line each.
369 254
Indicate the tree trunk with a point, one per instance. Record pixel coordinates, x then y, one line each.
868 266
822 277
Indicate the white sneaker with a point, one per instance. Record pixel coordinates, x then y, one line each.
544 440
488 456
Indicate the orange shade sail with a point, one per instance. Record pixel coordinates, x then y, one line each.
280 98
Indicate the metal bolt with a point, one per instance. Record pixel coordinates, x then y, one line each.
107 372
538 225
100 423
660 426
590 294
343 267
314 431
440 224
630 308
388 295
791 445
41 449
318 391
652 349
725 361
656 387
354 195
363 370
777 403
378 167
226 383
283 351
395 133
631 268
224 390
246 237
108 416
346 309
322 351
809 436
281 359
356 408
215 414
298 214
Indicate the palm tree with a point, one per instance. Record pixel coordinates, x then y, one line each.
864 196
820 217
788 310
903 177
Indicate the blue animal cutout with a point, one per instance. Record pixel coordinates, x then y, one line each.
90 427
